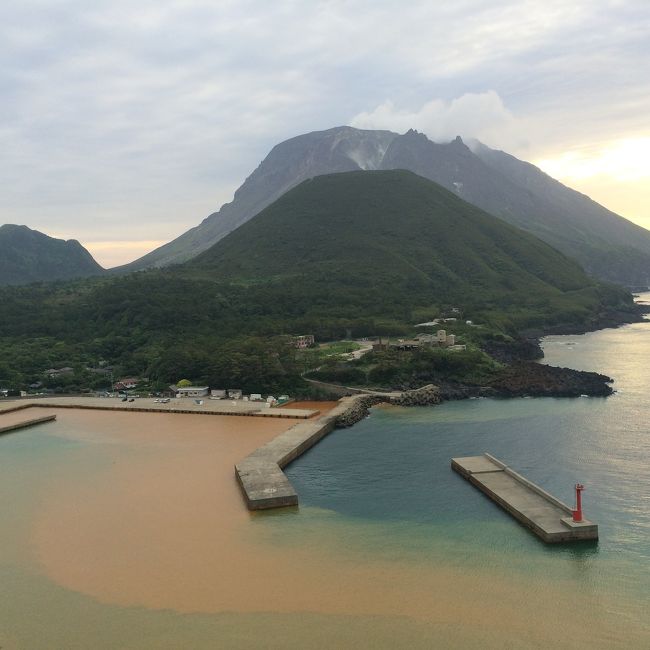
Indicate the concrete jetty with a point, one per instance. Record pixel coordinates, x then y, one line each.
263 483
26 423
545 515
147 405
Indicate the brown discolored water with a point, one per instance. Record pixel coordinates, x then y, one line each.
127 530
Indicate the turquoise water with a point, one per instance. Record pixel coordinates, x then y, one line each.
383 516
393 469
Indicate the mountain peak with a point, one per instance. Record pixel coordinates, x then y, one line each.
28 255
498 183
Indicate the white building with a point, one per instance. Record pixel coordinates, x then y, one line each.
192 391
303 341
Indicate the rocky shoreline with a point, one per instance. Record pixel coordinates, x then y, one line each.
521 377
529 379
606 320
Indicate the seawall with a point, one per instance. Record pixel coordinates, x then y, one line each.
547 516
188 406
26 423
264 484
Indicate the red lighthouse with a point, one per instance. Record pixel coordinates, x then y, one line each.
577 513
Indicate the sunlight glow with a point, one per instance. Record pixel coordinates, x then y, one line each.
623 160
115 253
616 175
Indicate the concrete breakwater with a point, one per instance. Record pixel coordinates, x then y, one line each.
187 406
26 423
260 474
264 484
548 517
358 409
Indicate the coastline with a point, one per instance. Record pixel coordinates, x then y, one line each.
119 536
144 405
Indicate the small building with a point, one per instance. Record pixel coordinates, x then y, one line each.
59 372
218 393
235 393
303 341
192 391
441 335
127 383
170 391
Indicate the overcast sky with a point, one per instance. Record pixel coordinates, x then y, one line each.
124 124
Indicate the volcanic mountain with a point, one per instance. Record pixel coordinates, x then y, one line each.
607 245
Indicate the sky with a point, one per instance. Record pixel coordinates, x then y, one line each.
125 124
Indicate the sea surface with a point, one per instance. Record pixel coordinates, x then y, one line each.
118 532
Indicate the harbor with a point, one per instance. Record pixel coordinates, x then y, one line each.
260 476
145 405
548 517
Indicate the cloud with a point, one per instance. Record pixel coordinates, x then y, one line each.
122 119
472 115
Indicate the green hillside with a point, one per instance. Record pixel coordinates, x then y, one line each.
352 254
30 256
388 242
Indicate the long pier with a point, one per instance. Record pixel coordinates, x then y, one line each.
26 423
263 483
544 514
144 405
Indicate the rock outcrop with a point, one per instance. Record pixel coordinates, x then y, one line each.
539 380
521 379
358 410
426 396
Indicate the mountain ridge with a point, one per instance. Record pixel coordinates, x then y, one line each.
28 255
607 245
393 240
